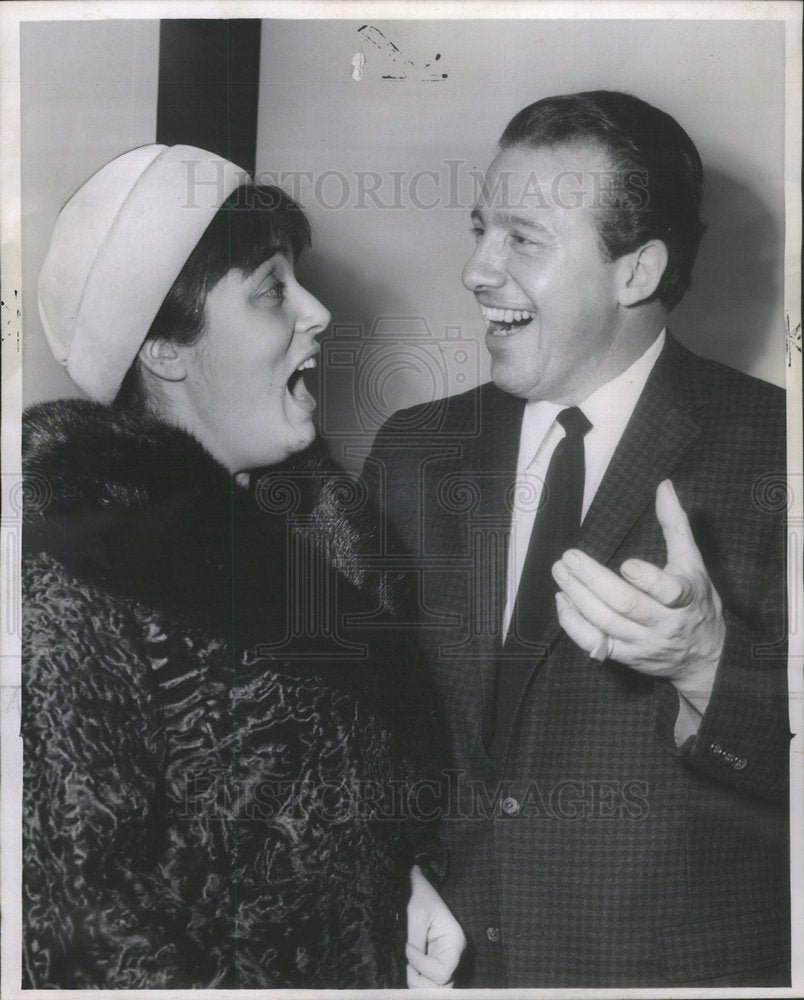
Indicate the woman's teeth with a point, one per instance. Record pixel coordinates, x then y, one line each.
309 363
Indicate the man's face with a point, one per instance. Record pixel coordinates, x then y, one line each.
539 274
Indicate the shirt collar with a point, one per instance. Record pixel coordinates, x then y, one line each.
614 402
608 408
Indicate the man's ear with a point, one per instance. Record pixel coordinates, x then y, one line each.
164 360
640 272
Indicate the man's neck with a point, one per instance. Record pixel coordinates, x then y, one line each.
634 338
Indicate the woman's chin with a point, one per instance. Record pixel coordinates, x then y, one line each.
293 437
301 435
306 439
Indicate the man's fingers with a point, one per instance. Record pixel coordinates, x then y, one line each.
668 589
616 593
437 970
622 611
582 633
682 552
643 591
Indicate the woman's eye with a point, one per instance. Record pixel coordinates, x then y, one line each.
275 291
522 241
477 231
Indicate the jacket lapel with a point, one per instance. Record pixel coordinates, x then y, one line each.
660 432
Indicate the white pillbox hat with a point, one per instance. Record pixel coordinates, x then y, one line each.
119 244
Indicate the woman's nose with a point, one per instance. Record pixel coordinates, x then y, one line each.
313 316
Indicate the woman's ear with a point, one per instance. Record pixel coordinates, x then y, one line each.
641 271
164 360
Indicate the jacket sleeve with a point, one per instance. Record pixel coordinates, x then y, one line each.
426 803
744 736
96 911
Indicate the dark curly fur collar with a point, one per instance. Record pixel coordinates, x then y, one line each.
138 494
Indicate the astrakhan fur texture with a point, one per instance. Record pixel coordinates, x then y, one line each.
198 804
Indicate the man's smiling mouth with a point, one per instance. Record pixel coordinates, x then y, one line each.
503 322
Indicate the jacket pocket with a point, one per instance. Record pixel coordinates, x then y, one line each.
726 946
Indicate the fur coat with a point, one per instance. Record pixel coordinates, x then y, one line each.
216 760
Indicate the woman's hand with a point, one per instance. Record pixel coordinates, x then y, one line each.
435 939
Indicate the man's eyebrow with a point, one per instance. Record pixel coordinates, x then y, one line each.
478 214
522 222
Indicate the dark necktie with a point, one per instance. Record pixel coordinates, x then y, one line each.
555 529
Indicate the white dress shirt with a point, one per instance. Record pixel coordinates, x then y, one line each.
608 409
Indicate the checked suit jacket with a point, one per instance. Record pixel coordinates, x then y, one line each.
598 853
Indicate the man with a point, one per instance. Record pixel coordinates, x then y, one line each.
600 582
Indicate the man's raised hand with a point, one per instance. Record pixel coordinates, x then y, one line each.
663 622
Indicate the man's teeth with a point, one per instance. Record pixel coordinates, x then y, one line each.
309 363
506 316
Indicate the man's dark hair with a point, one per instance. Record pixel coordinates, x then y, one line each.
254 223
659 178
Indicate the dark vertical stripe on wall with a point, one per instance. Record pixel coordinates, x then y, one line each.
208 82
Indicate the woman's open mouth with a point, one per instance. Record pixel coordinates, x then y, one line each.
298 390
504 322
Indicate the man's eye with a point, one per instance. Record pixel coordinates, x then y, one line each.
522 241
477 231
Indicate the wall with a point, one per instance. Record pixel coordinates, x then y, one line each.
88 94
388 262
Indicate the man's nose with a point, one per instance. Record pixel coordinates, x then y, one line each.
484 269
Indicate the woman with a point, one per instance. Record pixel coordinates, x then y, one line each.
215 760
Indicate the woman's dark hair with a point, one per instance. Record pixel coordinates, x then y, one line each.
658 184
254 223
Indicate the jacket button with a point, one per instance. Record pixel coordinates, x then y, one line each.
493 933
740 764
509 805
